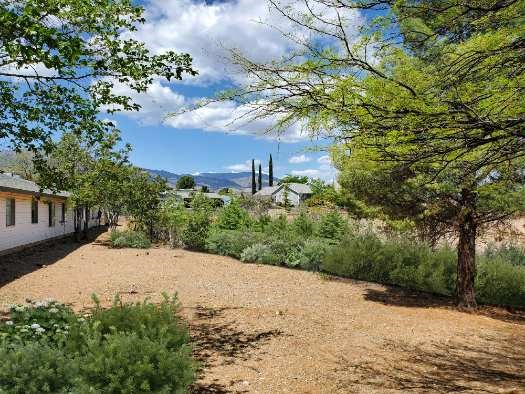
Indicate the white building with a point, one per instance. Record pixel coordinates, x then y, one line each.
29 216
296 193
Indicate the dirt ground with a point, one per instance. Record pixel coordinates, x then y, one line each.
264 329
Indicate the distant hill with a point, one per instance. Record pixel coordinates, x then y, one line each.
215 180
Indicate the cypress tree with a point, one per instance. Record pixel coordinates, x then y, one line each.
259 180
270 171
254 185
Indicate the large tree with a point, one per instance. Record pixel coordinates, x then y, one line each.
59 60
430 91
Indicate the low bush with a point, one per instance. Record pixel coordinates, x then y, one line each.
332 225
231 242
303 225
500 281
233 217
259 253
129 239
512 254
312 254
127 348
196 231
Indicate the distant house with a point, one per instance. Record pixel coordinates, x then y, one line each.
187 195
297 193
29 216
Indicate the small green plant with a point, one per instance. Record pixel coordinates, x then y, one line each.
129 239
197 229
233 217
231 243
332 225
303 224
259 253
141 347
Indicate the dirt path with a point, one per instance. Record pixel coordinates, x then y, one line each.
266 329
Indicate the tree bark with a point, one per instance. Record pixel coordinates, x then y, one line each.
466 269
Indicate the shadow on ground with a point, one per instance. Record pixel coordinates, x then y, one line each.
396 296
218 341
491 364
25 261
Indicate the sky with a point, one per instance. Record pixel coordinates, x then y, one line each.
212 139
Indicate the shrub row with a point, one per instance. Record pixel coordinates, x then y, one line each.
129 239
47 348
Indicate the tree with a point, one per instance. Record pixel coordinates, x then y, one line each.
59 63
294 179
174 217
259 179
428 100
270 171
254 185
205 189
185 182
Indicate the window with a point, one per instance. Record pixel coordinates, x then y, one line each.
34 211
51 211
63 213
10 212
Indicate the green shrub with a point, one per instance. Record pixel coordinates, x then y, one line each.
126 348
312 254
196 231
233 217
277 225
512 254
259 253
303 224
129 239
498 281
332 225
231 243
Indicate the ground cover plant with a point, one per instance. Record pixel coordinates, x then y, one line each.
46 347
129 239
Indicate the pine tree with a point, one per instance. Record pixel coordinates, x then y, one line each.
259 180
254 185
270 171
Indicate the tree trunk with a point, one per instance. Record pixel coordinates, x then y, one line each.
86 222
466 270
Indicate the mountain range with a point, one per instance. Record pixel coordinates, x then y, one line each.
214 180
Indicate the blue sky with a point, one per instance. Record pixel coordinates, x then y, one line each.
212 139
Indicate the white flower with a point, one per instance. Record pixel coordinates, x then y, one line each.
35 326
53 310
81 320
40 330
40 304
9 323
19 308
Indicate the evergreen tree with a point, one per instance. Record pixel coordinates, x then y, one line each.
259 180
254 185
270 171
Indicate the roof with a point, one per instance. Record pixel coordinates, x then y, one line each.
267 191
299 188
14 183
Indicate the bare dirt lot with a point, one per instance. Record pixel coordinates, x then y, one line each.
264 329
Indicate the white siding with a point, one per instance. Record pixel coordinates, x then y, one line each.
293 198
24 232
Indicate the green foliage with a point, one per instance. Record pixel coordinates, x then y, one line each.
185 182
303 224
81 64
125 348
129 239
173 216
233 217
259 253
294 179
513 254
499 281
196 231
232 243
332 225
312 254
277 225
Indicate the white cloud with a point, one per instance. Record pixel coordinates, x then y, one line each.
310 172
299 159
324 160
206 31
242 167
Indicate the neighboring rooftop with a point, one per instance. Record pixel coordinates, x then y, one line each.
267 191
299 188
14 183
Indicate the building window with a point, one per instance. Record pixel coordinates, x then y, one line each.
34 211
10 212
63 213
51 211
